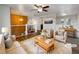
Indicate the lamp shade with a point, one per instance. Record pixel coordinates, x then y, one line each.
4 30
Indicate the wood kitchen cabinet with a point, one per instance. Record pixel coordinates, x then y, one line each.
18 24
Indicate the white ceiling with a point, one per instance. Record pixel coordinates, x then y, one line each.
54 9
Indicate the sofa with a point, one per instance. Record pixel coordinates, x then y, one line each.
16 49
2 45
10 46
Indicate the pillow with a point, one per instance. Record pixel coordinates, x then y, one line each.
8 42
6 36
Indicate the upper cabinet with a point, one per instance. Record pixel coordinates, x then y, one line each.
18 19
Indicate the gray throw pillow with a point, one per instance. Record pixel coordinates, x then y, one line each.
8 42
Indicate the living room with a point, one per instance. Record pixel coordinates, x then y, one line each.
39 29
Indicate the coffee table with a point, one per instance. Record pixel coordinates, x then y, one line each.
43 44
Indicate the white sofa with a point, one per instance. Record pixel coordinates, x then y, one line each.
16 49
2 45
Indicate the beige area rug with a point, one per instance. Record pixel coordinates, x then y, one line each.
31 48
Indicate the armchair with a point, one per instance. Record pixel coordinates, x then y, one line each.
61 36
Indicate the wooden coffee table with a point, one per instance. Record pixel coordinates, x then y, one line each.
46 46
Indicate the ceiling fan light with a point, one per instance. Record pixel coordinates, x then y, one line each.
40 9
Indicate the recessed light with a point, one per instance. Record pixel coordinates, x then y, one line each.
63 14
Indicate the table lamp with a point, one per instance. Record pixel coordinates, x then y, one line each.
5 32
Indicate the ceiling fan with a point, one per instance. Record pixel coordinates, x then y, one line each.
41 8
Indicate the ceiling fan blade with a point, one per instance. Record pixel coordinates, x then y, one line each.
36 6
46 7
45 10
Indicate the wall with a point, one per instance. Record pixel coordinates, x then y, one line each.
4 17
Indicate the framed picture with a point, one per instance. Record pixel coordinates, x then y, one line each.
48 22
